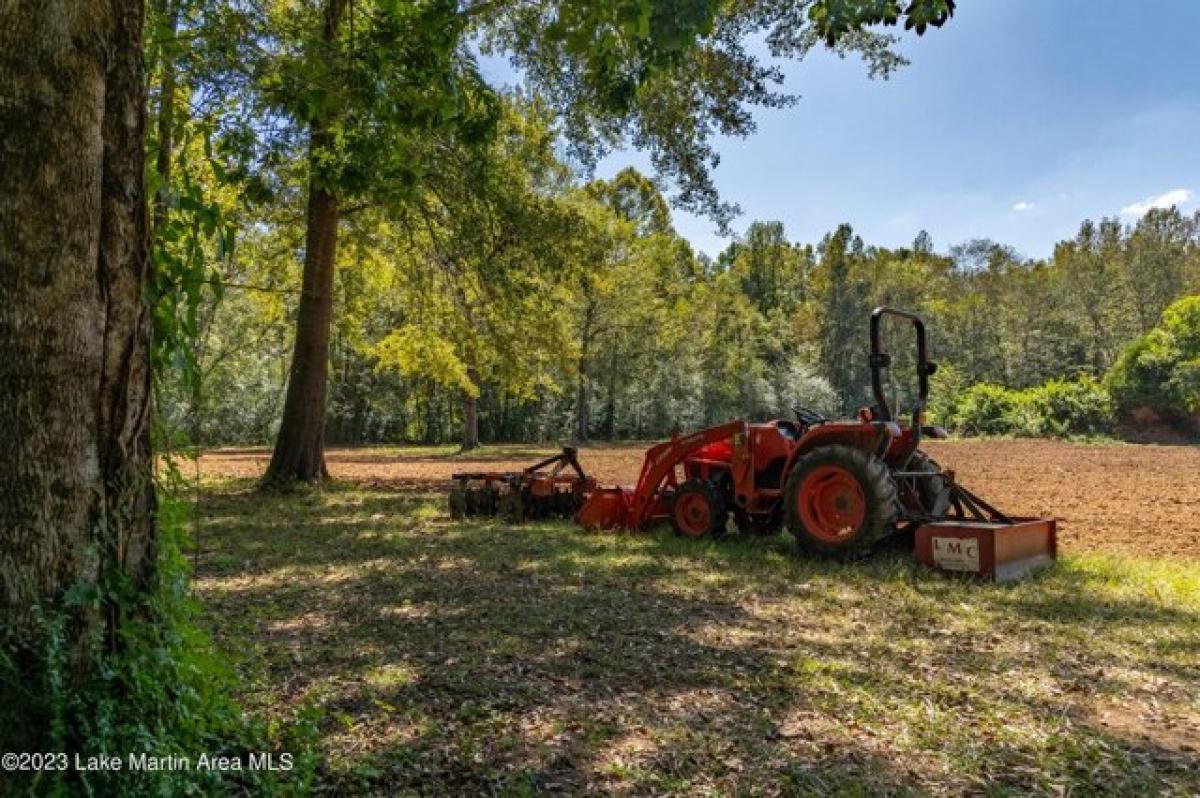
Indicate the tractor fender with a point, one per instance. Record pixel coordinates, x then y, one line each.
870 436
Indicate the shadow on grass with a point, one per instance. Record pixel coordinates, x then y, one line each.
456 658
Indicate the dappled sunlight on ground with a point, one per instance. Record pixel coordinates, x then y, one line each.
468 658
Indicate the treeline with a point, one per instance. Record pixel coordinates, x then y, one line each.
510 300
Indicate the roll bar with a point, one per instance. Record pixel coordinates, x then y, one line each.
880 360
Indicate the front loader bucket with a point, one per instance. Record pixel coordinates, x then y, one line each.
998 551
605 508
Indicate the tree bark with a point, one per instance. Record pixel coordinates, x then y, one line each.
300 446
583 418
470 436
610 404
470 408
76 498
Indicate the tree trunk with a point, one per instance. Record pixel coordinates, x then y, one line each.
300 447
470 436
76 498
469 421
470 407
431 415
582 414
610 403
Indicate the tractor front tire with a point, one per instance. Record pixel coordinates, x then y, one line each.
698 510
839 502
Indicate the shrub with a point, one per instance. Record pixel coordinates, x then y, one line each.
1160 371
985 409
946 388
1057 408
1062 407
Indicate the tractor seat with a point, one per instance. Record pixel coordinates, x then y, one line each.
789 429
808 418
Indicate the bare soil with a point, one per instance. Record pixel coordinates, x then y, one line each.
1136 499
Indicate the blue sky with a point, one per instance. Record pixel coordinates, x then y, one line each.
1015 122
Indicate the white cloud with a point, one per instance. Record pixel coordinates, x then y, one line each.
1023 205
1176 196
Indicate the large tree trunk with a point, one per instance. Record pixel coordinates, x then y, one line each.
300 447
76 498
470 436
470 408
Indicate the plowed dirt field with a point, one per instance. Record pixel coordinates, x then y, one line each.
1137 499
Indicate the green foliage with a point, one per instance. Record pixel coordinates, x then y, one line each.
186 248
1057 408
375 81
192 192
1070 407
669 76
985 409
474 264
842 308
382 104
160 688
947 387
834 19
543 287
416 351
1160 371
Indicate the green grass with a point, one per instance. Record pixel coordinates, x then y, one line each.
468 658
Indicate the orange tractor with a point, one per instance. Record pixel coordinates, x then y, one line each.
838 486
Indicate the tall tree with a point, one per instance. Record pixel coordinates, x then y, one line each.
76 499
767 266
367 82
670 75
1157 258
300 447
843 298
489 247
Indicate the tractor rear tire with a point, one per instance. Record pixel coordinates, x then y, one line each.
698 510
929 489
839 502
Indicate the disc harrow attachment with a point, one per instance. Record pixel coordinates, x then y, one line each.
552 488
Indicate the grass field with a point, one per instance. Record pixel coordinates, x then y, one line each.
469 658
